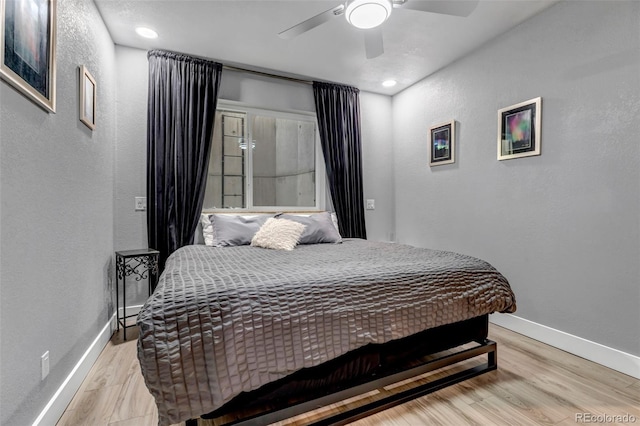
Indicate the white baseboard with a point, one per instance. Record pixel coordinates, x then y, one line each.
603 355
131 310
63 396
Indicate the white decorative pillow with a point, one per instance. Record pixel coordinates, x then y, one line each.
334 219
207 229
278 234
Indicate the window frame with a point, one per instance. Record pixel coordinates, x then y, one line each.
320 171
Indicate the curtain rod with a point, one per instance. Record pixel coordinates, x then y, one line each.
266 74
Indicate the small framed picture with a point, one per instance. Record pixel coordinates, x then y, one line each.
443 144
519 129
87 98
28 49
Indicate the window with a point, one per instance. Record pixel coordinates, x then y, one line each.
264 160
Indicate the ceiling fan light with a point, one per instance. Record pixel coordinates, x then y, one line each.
368 13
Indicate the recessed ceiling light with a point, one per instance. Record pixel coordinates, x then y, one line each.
367 13
146 32
389 83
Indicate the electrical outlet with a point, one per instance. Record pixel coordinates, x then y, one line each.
141 204
371 204
44 364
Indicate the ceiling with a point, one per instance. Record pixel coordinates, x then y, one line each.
245 33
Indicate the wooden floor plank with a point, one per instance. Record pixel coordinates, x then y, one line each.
500 411
535 384
137 421
134 399
95 408
552 358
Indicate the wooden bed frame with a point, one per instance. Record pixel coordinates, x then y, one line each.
364 370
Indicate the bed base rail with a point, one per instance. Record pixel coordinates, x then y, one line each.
486 346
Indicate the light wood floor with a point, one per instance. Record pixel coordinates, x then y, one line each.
534 384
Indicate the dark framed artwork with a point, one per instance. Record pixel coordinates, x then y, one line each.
27 49
519 129
442 141
88 91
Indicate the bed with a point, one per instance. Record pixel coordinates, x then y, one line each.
232 326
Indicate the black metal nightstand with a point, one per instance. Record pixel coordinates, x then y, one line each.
142 264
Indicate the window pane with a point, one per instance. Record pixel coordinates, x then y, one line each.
227 162
281 153
283 162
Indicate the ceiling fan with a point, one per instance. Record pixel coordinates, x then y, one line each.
370 14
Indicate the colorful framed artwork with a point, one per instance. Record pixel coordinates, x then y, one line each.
443 144
88 91
519 129
27 49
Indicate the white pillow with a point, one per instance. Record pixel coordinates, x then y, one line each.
278 234
207 229
334 219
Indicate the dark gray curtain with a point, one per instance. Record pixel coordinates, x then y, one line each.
338 112
183 94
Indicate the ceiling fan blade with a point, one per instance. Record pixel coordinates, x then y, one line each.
446 7
373 44
312 22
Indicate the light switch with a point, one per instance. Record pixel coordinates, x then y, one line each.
141 204
371 204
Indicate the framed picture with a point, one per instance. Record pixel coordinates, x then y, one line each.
87 98
443 144
519 129
27 49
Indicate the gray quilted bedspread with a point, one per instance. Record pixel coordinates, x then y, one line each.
227 320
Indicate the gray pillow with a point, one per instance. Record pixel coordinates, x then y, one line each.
319 228
234 230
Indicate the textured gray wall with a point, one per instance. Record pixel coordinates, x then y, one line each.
131 147
266 92
564 226
56 223
132 79
378 141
